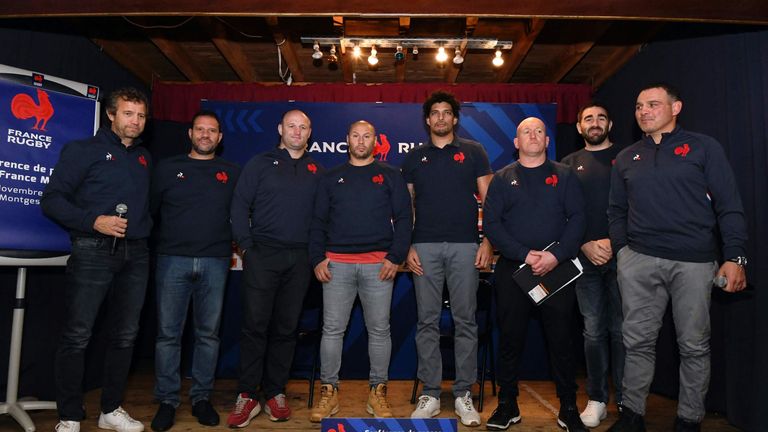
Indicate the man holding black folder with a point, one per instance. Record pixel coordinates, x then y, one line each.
530 204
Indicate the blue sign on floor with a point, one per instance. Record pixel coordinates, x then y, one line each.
388 425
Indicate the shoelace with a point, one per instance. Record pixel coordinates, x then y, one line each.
64 426
120 412
280 400
467 402
423 401
240 404
325 397
381 397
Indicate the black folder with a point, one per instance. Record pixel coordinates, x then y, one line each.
540 288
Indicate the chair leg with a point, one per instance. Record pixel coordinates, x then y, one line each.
483 369
415 388
312 377
493 363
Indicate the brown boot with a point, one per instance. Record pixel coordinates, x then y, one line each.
328 404
378 406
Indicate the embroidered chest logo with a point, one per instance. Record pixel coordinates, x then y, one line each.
424 159
551 180
613 162
378 179
340 180
636 157
222 177
109 156
312 168
275 163
580 168
459 157
143 161
682 150
180 175
514 183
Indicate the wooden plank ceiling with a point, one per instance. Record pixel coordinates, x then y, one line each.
555 41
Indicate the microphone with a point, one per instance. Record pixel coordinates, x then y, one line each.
720 281
121 209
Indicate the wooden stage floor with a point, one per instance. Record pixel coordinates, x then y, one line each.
538 406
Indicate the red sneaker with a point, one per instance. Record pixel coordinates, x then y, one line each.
245 410
277 408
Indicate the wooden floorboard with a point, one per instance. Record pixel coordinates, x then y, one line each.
538 405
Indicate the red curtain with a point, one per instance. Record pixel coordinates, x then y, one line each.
179 102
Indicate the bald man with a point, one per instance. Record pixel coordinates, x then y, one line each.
271 212
530 204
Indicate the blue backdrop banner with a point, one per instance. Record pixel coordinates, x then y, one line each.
34 126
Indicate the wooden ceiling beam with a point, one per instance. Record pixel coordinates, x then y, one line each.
621 56
286 47
574 52
177 55
405 29
231 50
748 11
454 69
128 57
520 50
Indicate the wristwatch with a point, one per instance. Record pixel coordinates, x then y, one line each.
741 261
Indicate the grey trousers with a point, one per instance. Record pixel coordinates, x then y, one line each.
453 263
647 284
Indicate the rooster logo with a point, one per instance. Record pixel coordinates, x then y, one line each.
24 107
551 180
312 168
459 157
222 177
381 148
143 161
682 150
378 179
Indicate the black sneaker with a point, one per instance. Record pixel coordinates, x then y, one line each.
629 421
569 419
506 414
683 425
206 415
164 418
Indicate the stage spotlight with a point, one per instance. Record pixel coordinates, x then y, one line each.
317 55
332 58
497 60
372 59
415 51
457 57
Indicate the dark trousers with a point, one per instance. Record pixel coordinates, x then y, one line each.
513 309
275 281
95 277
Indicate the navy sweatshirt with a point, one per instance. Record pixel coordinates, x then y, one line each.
593 168
445 184
274 199
192 198
529 208
668 199
362 209
92 177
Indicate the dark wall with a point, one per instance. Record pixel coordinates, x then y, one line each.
723 77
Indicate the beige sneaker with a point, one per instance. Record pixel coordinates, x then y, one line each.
328 404
378 406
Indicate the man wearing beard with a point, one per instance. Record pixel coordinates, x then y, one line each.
597 290
360 234
446 177
191 194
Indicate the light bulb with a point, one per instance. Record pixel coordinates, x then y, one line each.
497 60
356 51
441 55
317 55
372 59
457 57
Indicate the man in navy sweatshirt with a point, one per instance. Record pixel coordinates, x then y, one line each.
271 212
446 177
597 291
531 204
361 231
191 193
671 192
110 259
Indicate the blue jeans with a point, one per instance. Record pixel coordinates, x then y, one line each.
600 304
180 279
94 277
347 282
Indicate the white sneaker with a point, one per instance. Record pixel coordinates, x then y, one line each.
119 420
68 426
466 410
426 407
593 414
